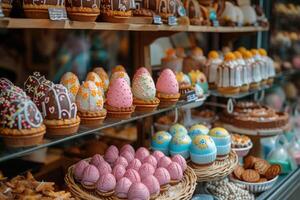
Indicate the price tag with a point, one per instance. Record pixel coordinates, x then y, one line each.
157 19
56 14
172 21
191 96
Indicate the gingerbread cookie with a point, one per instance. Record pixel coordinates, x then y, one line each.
250 175
238 171
273 171
261 166
249 162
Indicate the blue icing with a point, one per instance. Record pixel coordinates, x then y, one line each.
203 144
161 140
180 143
198 129
178 129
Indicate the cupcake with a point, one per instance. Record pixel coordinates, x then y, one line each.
249 14
153 186
103 75
127 155
89 102
122 188
146 170
151 160
119 99
144 91
254 68
120 74
71 82
106 184
203 150
79 169
229 15
90 177
119 171
160 141
135 164
138 191
20 120
92 76
178 129
171 61
127 147
83 10
163 177
59 112
32 82
39 9
198 129
96 160
245 72
180 144
269 65
164 162
142 153
185 85
111 154
262 66
132 175
121 161
104 168
196 61
222 140
167 88
158 155
181 161
176 173
198 78
211 68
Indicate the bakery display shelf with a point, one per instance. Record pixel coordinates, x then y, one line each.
6 154
24 23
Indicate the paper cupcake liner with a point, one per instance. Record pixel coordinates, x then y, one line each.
223 150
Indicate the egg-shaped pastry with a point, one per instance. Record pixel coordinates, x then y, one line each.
160 141
198 129
120 74
203 150
222 140
89 102
103 75
71 82
92 76
180 144
178 129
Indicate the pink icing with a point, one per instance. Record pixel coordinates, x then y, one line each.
135 164
152 184
97 159
122 187
180 160
164 162
119 94
158 155
90 175
162 175
111 154
151 160
138 191
79 169
106 183
146 170
128 155
121 161
167 82
133 175
104 168
140 71
142 153
118 171
175 171
128 147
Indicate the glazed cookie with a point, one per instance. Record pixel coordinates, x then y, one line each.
249 162
261 166
273 171
250 175
238 171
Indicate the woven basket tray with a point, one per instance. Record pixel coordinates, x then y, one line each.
182 191
218 170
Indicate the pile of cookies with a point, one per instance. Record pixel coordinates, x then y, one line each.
26 187
256 170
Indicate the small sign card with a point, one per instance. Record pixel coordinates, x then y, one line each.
57 14
157 20
172 21
191 96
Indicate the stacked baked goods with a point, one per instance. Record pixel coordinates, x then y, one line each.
253 116
21 121
129 174
83 10
256 170
27 187
199 143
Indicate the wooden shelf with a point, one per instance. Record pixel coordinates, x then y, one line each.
23 23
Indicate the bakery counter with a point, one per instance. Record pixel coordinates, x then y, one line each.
286 187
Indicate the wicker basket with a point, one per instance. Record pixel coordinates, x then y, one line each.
218 170
182 191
